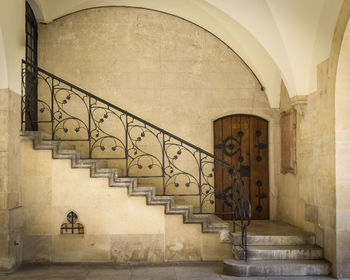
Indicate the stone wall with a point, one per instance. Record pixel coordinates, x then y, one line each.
323 156
307 199
118 228
10 205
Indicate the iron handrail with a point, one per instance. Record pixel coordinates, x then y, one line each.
241 207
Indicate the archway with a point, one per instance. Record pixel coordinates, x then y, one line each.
342 155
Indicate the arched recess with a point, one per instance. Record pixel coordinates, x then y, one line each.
262 87
342 153
273 147
201 87
200 13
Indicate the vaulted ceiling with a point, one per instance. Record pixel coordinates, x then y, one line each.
277 39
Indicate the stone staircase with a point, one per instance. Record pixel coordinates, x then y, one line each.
276 249
98 169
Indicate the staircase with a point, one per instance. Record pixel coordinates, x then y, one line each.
130 151
80 134
99 169
276 249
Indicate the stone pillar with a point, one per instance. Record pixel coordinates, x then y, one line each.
10 170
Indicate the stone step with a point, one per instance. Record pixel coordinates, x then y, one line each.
284 252
110 170
301 239
276 267
65 145
102 168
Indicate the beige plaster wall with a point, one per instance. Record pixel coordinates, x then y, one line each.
118 228
218 21
307 199
10 210
12 43
159 67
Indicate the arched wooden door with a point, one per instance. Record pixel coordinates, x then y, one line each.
242 140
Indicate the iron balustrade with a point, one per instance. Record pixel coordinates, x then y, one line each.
102 130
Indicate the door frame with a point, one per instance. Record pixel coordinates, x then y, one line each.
274 149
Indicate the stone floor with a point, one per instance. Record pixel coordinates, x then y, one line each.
195 271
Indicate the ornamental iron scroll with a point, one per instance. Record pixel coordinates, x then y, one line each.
101 130
72 227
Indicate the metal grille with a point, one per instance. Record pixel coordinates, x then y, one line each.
72 227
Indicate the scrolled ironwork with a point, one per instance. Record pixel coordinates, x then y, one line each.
105 131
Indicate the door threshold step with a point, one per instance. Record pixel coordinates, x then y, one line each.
253 239
284 252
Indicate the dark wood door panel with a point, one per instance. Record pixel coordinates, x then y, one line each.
242 140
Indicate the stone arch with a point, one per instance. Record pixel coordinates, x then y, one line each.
36 10
342 150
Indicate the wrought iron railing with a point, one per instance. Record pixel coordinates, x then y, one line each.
101 130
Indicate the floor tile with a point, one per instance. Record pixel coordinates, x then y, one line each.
109 274
198 272
225 277
153 273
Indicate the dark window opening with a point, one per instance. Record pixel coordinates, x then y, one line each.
31 81
31 36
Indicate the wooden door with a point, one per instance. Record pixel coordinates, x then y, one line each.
242 140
